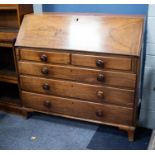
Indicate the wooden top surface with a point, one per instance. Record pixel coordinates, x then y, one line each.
11 6
8 6
83 32
8 36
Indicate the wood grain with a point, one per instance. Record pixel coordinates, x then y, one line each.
8 36
110 78
105 34
77 90
82 66
109 62
11 15
78 108
10 19
53 56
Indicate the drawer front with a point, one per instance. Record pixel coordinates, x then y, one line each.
78 108
103 62
78 90
111 78
45 56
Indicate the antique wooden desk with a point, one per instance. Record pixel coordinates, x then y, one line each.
81 66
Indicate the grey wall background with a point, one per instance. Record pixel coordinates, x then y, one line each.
37 8
147 114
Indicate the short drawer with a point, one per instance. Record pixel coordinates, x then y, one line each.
103 62
77 108
94 76
78 90
52 56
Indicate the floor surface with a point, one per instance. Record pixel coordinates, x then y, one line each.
43 132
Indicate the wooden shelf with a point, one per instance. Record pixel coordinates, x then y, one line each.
8 7
6 44
9 94
11 16
6 29
8 76
8 35
10 100
7 66
13 106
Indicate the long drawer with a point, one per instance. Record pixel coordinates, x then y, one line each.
103 62
51 56
78 90
111 78
78 108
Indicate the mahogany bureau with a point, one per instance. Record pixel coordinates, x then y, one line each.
81 66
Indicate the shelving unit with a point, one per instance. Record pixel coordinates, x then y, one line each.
11 16
8 76
9 93
8 71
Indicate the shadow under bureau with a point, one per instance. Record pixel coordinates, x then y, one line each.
81 66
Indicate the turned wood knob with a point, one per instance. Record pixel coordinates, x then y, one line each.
44 70
99 113
43 58
100 94
99 63
47 104
45 86
100 77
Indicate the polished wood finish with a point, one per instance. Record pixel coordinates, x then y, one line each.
8 76
77 90
8 36
109 62
8 19
92 76
71 68
78 108
7 65
12 107
130 131
11 16
45 56
8 6
105 34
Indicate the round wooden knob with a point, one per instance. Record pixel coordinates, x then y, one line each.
44 70
100 94
47 104
99 63
43 58
99 113
100 77
45 86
